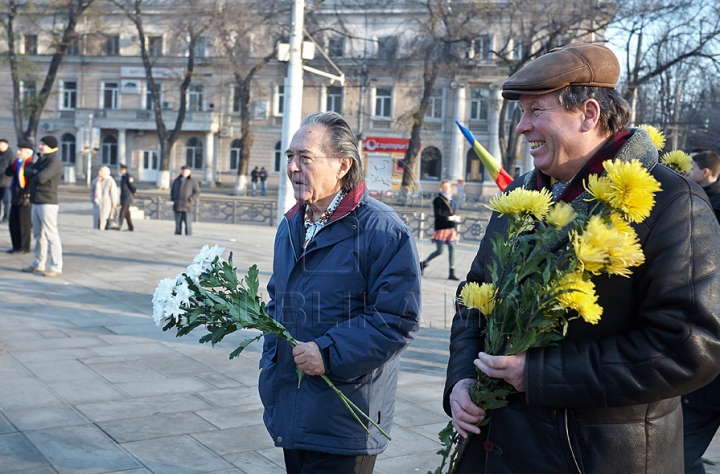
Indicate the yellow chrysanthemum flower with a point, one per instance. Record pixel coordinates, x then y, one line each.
522 201
624 254
656 136
677 160
591 246
633 189
600 187
620 224
579 294
480 297
560 215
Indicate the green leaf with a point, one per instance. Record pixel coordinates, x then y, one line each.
243 345
252 281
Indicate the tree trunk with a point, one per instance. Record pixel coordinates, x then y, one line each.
432 66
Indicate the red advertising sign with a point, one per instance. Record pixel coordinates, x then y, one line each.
385 144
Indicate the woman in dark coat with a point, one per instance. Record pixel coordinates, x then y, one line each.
445 232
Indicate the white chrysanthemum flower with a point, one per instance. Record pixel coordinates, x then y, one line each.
194 270
182 292
207 255
163 294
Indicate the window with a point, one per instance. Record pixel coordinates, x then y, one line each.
235 149
30 44
109 150
112 46
434 110
484 46
150 160
195 97
387 47
474 169
67 148
383 102
279 101
110 95
334 99
155 46
479 103
200 47
148 96
336 46
430 163
69 95
194 153
73 48
278 156
517 51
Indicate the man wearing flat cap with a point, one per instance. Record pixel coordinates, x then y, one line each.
605 399
43 177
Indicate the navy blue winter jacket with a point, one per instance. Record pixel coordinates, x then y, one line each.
355 291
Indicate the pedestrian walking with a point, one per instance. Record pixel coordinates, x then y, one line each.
43 177
105 198
445 234
127 191
185 190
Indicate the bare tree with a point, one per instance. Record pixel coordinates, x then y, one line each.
657 37
191 19
243 30
65 15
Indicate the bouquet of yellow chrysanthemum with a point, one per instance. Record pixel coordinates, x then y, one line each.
676 160
539 284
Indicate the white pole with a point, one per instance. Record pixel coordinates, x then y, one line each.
292 114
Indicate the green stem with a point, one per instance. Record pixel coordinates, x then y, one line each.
352 408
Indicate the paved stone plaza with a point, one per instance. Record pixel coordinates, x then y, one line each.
89 384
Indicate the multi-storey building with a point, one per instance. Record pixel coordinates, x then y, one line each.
101 106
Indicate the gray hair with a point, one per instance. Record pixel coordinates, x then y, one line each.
614 110
343 144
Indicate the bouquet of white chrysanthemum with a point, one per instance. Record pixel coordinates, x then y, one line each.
540 283
210 295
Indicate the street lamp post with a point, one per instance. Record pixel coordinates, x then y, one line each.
88 154
293 103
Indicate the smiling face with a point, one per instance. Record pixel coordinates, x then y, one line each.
558 138
316 177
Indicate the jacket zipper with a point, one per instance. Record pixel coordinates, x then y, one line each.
567 435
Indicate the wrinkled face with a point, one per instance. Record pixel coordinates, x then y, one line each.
553 133
315 176
696 174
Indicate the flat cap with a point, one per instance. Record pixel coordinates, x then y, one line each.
577 64
26 143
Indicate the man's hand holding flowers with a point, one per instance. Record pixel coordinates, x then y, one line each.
308 358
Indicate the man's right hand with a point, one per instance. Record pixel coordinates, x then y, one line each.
465 414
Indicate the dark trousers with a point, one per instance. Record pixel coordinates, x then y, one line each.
699 428
299 461
125 214
185 217
20 227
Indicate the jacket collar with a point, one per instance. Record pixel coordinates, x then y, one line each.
351 200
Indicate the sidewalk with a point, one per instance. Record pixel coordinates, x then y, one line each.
91 385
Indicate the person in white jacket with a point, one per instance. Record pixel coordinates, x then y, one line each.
105 197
